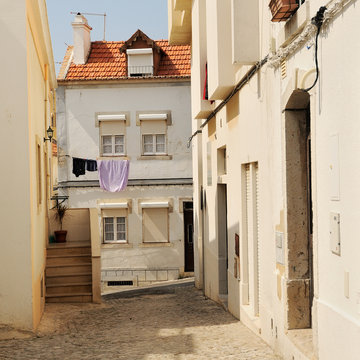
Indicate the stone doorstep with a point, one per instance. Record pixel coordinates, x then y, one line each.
303 341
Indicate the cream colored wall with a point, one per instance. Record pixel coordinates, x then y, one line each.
200 108
15 281
23 118
76 222
252 127
219 55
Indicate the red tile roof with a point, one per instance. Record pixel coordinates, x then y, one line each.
106 62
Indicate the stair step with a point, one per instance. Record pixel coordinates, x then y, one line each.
67 256
68 298
71 249
61 270
68 279
67 260
68 289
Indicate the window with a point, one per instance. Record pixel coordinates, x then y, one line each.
250 235
115 229
153 134
140 62
155 225
112 135
39 174
113 144
154 144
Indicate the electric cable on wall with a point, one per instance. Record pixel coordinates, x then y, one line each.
317 20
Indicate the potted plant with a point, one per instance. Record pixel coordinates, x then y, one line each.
281 10
60 212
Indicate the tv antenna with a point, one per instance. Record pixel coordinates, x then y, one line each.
92 14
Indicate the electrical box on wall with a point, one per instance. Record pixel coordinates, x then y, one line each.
335 233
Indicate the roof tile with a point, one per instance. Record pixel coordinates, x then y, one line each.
107 62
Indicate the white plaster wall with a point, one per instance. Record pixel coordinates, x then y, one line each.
219 48
338 113
136 255
252 127
15 254
78 136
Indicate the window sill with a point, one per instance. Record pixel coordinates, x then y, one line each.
116 245
155 157
159 244
116 157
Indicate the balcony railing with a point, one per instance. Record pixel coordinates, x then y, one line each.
140 71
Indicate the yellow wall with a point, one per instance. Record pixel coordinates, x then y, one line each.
37 87
40 99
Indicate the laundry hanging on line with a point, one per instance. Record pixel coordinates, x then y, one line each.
113 174
80 165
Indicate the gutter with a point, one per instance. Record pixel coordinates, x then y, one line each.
126 80
131 182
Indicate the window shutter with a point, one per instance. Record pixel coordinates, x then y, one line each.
155 225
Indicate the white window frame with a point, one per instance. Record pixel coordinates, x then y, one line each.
114 230
113 145
154 144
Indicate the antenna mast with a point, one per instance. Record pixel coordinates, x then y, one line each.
93 14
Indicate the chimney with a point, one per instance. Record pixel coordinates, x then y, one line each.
82 40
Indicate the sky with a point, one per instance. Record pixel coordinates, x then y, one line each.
123 18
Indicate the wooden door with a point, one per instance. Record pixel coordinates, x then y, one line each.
188 236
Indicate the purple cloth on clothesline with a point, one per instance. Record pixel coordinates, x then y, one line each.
113 174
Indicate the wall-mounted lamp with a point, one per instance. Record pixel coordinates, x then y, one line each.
50 133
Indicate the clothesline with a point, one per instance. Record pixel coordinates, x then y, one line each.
113 174
80 165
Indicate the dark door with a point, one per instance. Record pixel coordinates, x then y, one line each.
188 236
310 211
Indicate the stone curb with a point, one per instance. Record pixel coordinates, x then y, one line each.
166 288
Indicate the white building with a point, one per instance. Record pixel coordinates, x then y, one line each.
130 101
275 182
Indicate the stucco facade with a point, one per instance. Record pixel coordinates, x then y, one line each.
278 161
158 184
26 108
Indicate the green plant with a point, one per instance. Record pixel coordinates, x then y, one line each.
60 212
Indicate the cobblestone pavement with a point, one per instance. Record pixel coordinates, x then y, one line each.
178 324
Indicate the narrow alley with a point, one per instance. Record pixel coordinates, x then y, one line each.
177 323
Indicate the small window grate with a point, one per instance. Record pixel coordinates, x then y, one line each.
120 283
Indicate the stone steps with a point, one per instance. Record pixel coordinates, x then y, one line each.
68 272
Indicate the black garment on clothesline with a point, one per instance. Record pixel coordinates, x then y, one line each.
91 165
78 166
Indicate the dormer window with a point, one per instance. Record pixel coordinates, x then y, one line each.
143 55
140 62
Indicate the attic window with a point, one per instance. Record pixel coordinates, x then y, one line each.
140 62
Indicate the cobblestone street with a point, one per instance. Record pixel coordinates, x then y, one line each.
179 323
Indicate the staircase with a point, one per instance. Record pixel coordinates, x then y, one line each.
68 275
